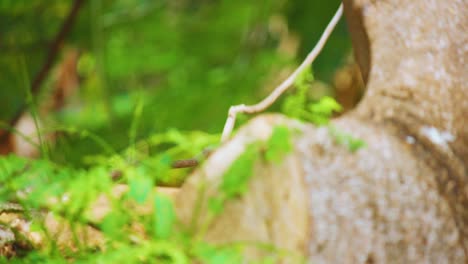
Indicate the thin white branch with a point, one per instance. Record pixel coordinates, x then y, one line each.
270 99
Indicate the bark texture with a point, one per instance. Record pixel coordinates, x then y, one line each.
401 199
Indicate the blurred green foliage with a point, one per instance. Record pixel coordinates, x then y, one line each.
182 62
299 106
72 195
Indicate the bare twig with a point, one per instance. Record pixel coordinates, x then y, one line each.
54 49
250 109
187 163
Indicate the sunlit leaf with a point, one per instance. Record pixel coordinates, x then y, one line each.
353 144
236 178
210 254
216 204
278 144
140 186
164 216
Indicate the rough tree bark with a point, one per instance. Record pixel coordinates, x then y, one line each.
401 199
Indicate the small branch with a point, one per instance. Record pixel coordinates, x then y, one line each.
54 49
178 164
193 162
265 103
56 44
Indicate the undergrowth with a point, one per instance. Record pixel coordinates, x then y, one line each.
137 225
318 112
71 195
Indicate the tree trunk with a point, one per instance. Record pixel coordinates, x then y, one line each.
401 199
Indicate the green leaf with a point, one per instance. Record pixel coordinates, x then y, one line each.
304 77
170 252
297 106
353 144
164 216
278 144
113 224
210 254
325 106
320 112
140 185
295 103
236 178
216 205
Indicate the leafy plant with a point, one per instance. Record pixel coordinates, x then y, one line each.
70 194
278 144
129 235
319 112
298 105
353 144
235 180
